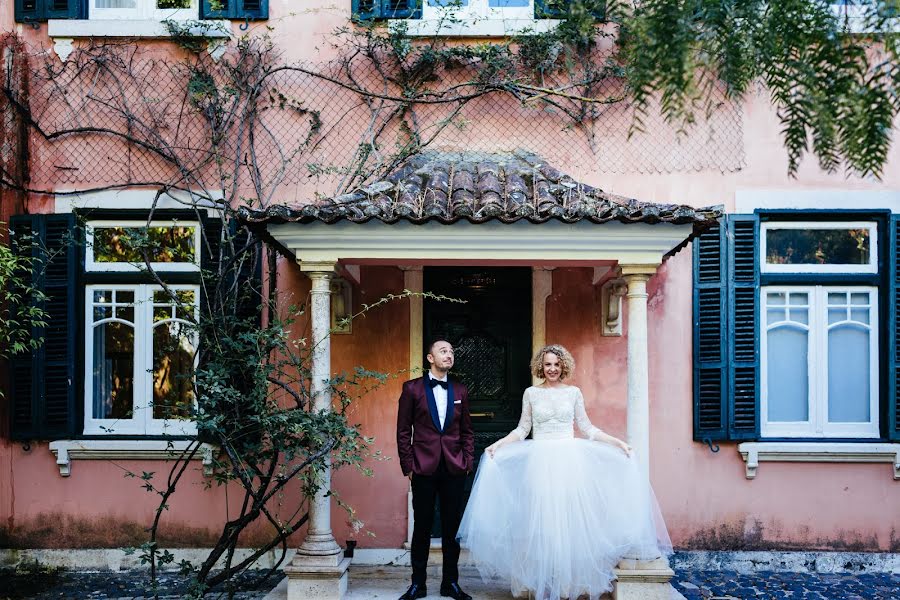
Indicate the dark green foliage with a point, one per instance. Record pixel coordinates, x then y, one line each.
835 91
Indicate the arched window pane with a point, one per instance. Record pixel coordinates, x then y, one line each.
113 380
788 374
848 374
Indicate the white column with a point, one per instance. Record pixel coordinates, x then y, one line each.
319 569
638 422
541 288
640 579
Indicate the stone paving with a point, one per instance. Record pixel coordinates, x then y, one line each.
387 583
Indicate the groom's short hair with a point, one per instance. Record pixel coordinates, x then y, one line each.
434 341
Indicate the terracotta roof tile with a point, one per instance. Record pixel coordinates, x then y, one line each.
449 187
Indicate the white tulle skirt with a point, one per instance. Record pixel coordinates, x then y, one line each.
554 517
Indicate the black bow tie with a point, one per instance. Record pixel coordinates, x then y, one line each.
438 382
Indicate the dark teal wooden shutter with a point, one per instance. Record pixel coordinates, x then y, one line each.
234 9
559 9
44 381
41 10
726 331
743 347
710 325
893 412
364 10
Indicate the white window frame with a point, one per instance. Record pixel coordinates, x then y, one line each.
476 10
871 267
818 425
145 10
142 421
91 265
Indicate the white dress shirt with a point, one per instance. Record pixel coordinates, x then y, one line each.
440 398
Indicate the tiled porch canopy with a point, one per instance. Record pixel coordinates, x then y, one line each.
452 187
467 208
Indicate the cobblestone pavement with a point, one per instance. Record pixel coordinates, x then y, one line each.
694 585
709 585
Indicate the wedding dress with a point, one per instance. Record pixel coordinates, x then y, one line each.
554 515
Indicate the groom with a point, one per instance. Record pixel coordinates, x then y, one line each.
437 451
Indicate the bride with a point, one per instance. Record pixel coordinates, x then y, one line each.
553 516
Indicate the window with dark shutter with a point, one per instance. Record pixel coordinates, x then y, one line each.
559 9
41 10
44 381
709 334
364 10
726 337
252 10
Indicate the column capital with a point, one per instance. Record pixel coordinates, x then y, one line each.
318 266
638 270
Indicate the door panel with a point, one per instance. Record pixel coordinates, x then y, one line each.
491 336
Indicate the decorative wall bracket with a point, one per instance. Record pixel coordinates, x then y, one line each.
611 295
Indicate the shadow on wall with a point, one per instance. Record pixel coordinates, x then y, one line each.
57 530
753 535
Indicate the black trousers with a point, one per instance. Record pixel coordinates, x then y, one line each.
448 490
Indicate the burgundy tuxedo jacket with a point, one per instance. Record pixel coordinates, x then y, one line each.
420 440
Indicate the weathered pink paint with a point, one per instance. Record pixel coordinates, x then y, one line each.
705 497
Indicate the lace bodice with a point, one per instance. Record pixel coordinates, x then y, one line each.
552 411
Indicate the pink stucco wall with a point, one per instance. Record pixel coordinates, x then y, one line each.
705 497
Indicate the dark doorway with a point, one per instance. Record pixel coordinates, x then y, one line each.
491 335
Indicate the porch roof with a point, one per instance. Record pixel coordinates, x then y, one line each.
475 187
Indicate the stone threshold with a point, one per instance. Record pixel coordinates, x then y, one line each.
115 559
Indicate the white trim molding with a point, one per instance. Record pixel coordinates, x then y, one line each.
66 451
748 200
829 452
136 199
542 243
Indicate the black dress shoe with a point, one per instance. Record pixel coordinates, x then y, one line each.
453 590
415 591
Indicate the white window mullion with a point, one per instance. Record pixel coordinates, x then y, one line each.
818 370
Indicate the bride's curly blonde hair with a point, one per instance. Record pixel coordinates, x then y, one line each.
566 361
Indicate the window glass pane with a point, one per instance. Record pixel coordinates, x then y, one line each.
448 3
836 315
788 376
508 3
799 315
167 244
837 299
859 298
173 366
173 4
102 296
775 298
776 315
860 315
124 296
115 3
817 246
102 312
848 374
798 299
113 366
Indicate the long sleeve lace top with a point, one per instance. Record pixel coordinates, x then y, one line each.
551 413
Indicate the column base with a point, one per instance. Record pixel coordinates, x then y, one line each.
644 580
317 578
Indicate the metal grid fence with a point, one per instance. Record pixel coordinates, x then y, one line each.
134 117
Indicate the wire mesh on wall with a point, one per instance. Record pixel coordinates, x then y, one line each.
116 115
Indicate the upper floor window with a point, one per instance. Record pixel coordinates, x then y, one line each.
819 247
129 245
143 9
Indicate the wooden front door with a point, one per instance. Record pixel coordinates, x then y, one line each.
491 335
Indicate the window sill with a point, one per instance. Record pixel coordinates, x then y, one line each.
63 31
479 27
86 28
837 452
68 450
